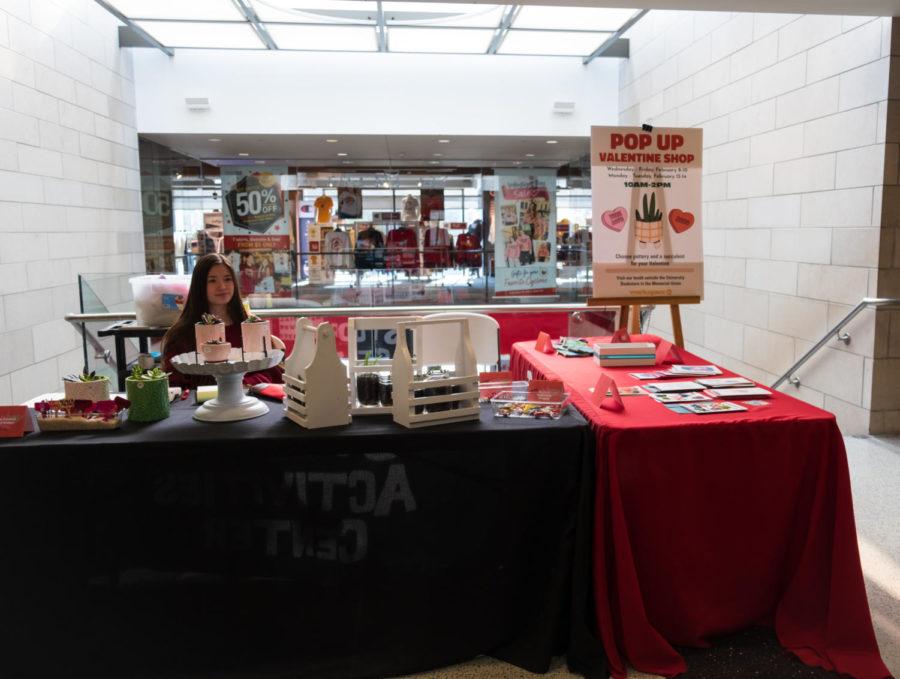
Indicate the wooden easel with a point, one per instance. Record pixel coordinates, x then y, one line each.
625 302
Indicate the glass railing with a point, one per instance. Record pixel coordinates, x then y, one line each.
98 294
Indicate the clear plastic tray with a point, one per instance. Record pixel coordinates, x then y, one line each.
524 404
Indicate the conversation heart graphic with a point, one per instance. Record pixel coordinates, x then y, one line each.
615 220
681 221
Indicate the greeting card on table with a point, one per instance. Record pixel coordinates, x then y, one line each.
680 398
14 421
712 407
695 370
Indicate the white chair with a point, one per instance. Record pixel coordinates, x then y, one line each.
439 346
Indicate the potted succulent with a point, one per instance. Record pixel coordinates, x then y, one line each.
215 351
88 386
148 392
367 383
209 327
256 334
648 226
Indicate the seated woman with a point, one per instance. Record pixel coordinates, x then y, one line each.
213 290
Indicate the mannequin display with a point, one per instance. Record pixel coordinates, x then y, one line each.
369 249
468 250
323 205
410 209
436 253
581 239
338 252
402 252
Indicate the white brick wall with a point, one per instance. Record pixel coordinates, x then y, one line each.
794 114
69 180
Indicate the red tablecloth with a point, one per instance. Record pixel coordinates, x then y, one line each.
707 524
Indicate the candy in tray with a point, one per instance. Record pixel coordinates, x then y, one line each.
528 404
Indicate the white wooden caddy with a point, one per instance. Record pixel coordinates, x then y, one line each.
356 365
316 388
405 385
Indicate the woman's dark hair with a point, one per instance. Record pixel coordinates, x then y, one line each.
181 334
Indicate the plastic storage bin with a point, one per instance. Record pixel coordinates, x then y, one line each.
525 404
158 300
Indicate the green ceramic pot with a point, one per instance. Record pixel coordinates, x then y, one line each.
149 399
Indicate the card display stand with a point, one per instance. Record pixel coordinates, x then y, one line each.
377 326
316 389
409 390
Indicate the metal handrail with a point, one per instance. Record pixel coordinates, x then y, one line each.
112 316
836 331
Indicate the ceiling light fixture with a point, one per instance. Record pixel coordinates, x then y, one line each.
243 154
331 141
443 141
197 103
529 155
342 154
552 141
215 139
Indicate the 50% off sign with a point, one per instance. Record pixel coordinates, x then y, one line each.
255 202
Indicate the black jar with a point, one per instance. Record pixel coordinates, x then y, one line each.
437 374
385 390
367 389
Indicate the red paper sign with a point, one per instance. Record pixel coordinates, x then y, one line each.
496 376
545 389
621 335
12 421
607 384
664 349
543 343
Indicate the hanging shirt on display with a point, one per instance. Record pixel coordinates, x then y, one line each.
437 247
401 249
338 254
370 249
468 250
323 205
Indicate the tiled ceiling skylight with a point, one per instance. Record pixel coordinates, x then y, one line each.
370 25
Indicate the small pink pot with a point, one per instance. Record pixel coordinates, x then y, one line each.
215 353
256 335
204 333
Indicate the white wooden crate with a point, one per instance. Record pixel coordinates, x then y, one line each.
463 405
316 388
382 365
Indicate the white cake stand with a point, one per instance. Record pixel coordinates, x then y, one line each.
230 403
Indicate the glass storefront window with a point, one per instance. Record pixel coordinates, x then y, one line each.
447 260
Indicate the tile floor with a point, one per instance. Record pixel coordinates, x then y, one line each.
875 479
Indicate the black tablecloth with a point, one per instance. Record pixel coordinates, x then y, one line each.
360 551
